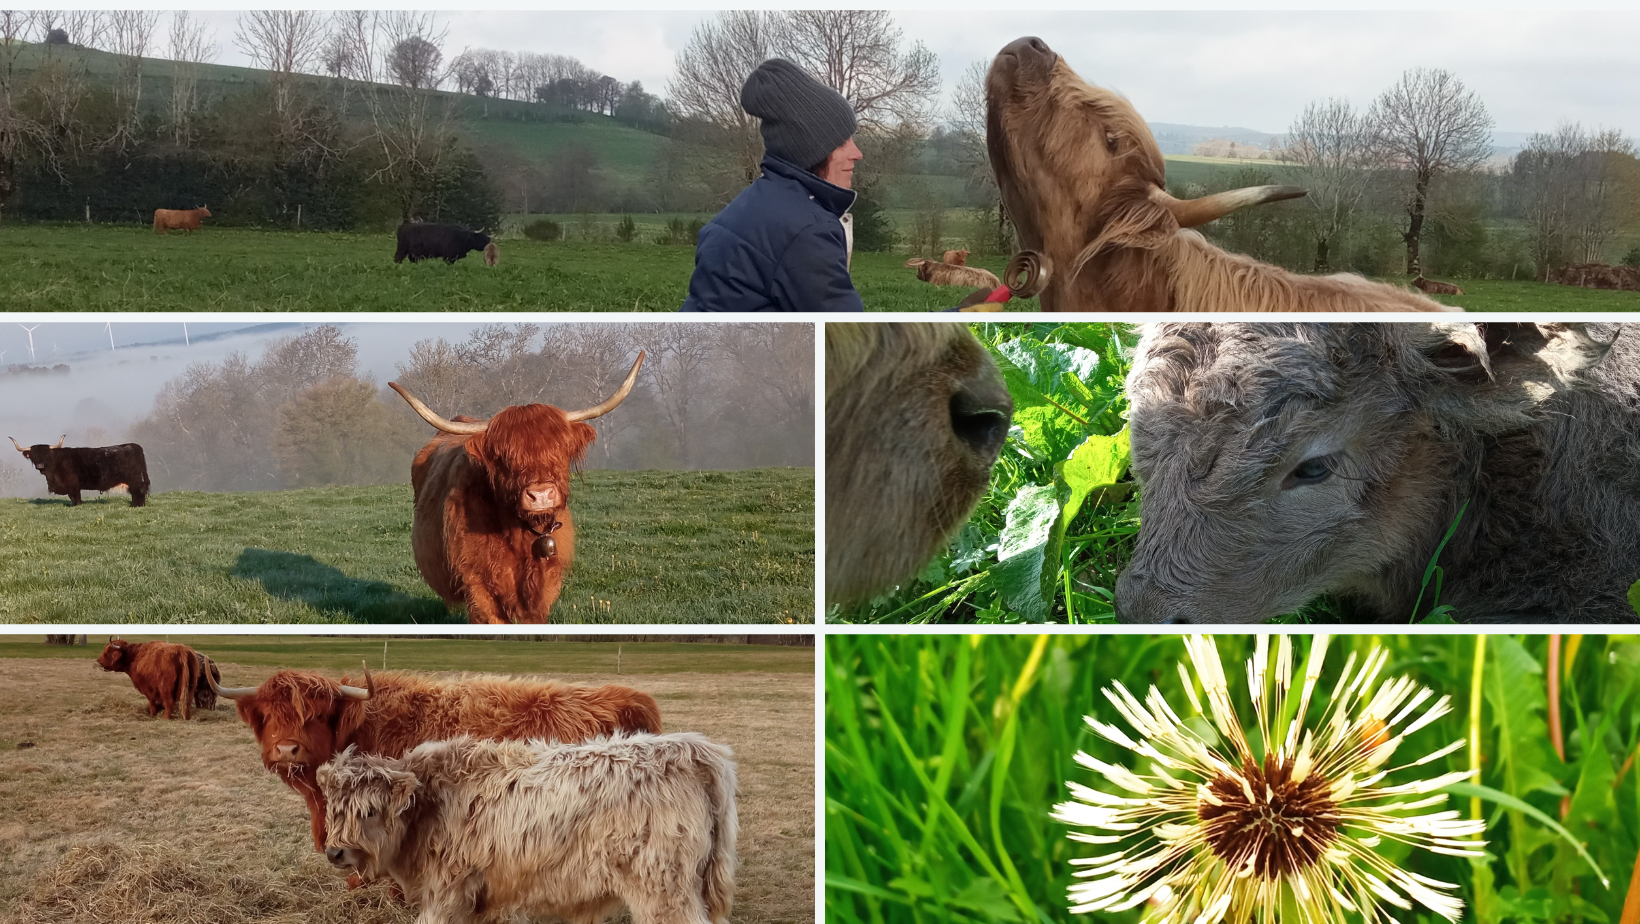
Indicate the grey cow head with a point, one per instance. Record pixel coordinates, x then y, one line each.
1278 462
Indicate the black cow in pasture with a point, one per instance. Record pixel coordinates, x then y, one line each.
75 469
422 241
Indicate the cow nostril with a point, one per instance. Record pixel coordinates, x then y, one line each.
334 855
1038 44
981 424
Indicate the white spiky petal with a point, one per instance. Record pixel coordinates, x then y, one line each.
1153 813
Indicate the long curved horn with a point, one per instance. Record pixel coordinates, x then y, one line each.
448 426
1191 213
227 692
1027 273
356 693
599 410
15 443
61 442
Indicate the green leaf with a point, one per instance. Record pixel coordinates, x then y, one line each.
1515 691
1022 573
1099 462
1510 802
988 898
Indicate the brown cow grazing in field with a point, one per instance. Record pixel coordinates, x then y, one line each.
946 274
492 254
168 676
955 257
492 528
915 417
1279 462
495 832
1085 187
186 220
302 719
1435 287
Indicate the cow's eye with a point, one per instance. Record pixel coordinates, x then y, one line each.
1310 471
1110 142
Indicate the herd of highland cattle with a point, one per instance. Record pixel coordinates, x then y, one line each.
483 799
492 529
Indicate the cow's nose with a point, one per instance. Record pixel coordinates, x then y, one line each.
286 751
980 412
335 855
1138 600
1029 47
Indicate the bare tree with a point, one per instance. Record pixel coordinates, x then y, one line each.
16 128
130 39
1603 190
1426 126
1332 141
861 54
1570 187
190 47
707 77
286 44
410 128
59 85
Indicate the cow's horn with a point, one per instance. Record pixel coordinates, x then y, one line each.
1191 213
448 426
15 443
599 410
356 693
1027 273
61 442
227 692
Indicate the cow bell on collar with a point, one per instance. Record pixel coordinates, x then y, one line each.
546 546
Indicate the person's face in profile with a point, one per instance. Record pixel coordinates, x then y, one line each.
838 170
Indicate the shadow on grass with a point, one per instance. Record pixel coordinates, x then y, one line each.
303 579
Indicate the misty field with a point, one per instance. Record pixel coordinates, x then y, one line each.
652 547
113 817
129 268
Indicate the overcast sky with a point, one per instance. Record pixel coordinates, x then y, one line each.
1246 69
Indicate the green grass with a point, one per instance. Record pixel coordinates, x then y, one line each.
126 268
652 547
945 755
512 656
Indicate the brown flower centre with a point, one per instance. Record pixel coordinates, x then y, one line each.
1285 826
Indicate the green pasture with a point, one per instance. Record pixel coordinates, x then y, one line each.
651 547
945 755
534 655
62 267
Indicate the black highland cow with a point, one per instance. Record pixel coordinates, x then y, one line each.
75 469
420 241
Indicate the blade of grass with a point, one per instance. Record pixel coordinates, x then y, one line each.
1526 808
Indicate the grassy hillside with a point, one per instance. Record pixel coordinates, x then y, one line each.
673 547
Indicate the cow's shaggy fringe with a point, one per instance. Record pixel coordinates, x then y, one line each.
408 710
488 831
144 883
1531 430
899 482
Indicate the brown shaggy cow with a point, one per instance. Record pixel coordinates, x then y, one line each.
491 254
947 274
492 527
1279 462
186 220
915 417
302 719
502 831
1435 287
171 677
1085 186
955 257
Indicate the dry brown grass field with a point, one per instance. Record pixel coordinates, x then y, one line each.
112 817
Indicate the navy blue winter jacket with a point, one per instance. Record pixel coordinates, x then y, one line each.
779 246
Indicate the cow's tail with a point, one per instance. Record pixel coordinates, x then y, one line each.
187 682
718 876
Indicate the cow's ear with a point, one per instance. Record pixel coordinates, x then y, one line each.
403 785
1492 377
347 718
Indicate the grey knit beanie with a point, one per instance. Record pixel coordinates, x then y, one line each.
803 119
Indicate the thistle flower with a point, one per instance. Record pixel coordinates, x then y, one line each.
1224 827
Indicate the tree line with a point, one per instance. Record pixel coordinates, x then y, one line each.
302 415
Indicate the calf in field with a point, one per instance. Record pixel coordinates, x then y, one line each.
491 832
1435 287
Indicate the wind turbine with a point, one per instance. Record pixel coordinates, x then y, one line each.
55 349
31 331
185 334
110 326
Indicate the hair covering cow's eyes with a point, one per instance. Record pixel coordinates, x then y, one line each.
1110 142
